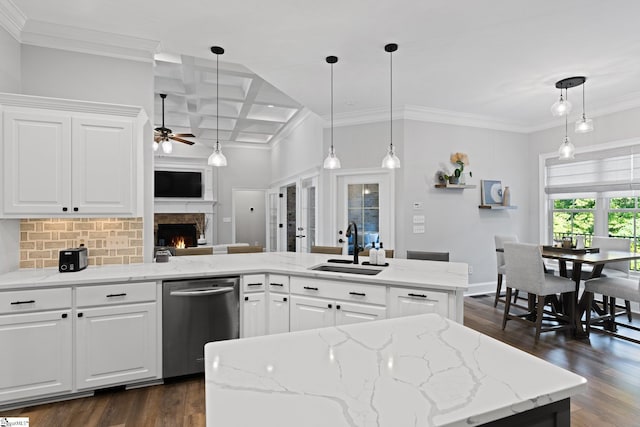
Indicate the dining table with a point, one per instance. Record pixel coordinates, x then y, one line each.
595 257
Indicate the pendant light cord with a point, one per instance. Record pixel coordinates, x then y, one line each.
391 101
217 103
331 108
583 112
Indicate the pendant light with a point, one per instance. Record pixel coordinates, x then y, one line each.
332 161
391 161
217 158
567 149
583 125
562 106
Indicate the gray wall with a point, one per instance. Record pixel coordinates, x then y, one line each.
248 168
249 217
9 82
72 75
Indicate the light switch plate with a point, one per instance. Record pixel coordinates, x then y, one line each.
226 219
418 219
418 229
417 205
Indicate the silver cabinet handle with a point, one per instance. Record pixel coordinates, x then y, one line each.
201 292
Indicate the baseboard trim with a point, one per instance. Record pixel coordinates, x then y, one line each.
480 289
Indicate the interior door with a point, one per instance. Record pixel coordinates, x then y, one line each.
367 201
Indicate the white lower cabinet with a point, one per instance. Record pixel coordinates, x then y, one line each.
347 312
311 313
408 302
254 315
115 344
36 357
278 309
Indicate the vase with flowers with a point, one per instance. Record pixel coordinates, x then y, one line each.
458 177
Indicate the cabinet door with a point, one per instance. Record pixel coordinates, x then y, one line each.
36 163
36 357
278 313
407 302
347 312
115 345
254 317
103 161
311 313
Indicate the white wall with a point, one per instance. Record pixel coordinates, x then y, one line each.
299 151
64 74
249 217
619 126
248 168
9 82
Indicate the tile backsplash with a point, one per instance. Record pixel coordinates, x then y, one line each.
42 239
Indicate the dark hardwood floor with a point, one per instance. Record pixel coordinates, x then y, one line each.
611 366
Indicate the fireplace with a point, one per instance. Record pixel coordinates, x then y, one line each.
177 235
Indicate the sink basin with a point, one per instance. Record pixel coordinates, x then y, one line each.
344 269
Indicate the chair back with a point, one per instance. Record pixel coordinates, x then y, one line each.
388 253
243 249
613 244
524 267
428 256
333 250
500 241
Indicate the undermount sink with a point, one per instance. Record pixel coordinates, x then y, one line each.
343 269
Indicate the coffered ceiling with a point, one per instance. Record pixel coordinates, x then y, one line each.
489 63
251 109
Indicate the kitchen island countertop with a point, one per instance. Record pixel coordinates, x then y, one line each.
401 272
412 371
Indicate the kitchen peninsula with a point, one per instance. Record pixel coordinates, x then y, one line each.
412 371
103 325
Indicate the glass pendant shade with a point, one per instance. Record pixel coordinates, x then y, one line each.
567 149
167 146
584 125
156 145
391 161
561 107
217 158
331 161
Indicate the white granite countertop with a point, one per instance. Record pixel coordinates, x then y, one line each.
432 274
411 371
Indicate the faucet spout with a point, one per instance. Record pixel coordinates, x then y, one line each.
353 229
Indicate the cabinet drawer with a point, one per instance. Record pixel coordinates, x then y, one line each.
347 291
121 293
34 300
278 283
253 282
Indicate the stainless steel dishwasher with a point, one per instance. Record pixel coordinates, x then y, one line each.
195 312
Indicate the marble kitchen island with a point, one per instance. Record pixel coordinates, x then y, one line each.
413 371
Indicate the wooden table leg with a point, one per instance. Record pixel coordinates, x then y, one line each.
577 314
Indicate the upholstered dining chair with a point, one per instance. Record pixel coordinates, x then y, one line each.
333 250
243 249
388 252
428 256
612 288
525 271
500 241
615 269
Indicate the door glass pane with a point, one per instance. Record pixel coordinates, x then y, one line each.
311 218
364 211
291 218
273 222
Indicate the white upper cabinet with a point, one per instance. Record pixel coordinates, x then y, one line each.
65 158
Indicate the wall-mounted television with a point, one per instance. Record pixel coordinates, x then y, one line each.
178 184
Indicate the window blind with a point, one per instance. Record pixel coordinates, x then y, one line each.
613 169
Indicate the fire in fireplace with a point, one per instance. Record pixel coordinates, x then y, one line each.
177 235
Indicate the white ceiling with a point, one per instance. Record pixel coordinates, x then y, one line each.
491 59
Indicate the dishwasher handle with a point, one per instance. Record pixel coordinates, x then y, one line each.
201 292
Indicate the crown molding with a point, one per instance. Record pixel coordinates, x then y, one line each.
29 101
12 19
55 36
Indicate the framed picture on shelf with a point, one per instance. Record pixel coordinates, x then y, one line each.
491 192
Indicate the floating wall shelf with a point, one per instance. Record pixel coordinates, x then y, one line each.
454 186
497 207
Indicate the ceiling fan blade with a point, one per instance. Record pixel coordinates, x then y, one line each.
184 141
184 135
157 138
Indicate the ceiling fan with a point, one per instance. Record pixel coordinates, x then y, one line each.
163 135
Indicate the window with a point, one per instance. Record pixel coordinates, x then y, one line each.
622 220
572 217
364 210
